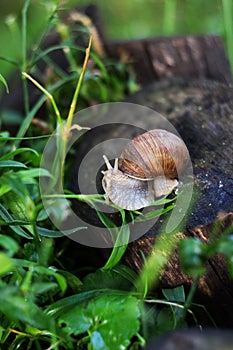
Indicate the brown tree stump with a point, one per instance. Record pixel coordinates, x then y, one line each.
202 111
180 56
194 339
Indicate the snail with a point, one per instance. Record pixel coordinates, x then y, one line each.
147 169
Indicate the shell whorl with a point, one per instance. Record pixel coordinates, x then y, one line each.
154 153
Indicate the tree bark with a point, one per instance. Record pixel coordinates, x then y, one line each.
181 56
199 104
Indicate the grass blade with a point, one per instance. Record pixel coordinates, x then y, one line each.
3 80
228 28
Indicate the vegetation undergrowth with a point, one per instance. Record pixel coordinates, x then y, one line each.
47 300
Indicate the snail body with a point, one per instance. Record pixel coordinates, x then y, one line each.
148 168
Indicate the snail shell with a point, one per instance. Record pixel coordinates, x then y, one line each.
156 152
148 168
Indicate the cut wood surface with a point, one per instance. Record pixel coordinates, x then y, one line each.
184 56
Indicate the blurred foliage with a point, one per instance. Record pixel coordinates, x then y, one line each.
123 19
127 19
57 296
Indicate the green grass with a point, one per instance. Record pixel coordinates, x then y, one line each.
58 296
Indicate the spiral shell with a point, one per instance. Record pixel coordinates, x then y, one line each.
154 153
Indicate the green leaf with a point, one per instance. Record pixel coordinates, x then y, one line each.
121 243
8 218
73 281
176 294
42 215
14 223
230 265
106 220
52 233
17 308
63 305
119 248
153 214
18 151
19 202
14 181
11 164
226 246
42 287
193 255
50 272
3 80
4 189
165 321
6 264
104 318
32 173
15 189
9 244
106 279
125 272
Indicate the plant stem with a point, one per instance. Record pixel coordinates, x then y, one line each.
56 110
24 54
65 135
77 90
27 120
191 294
